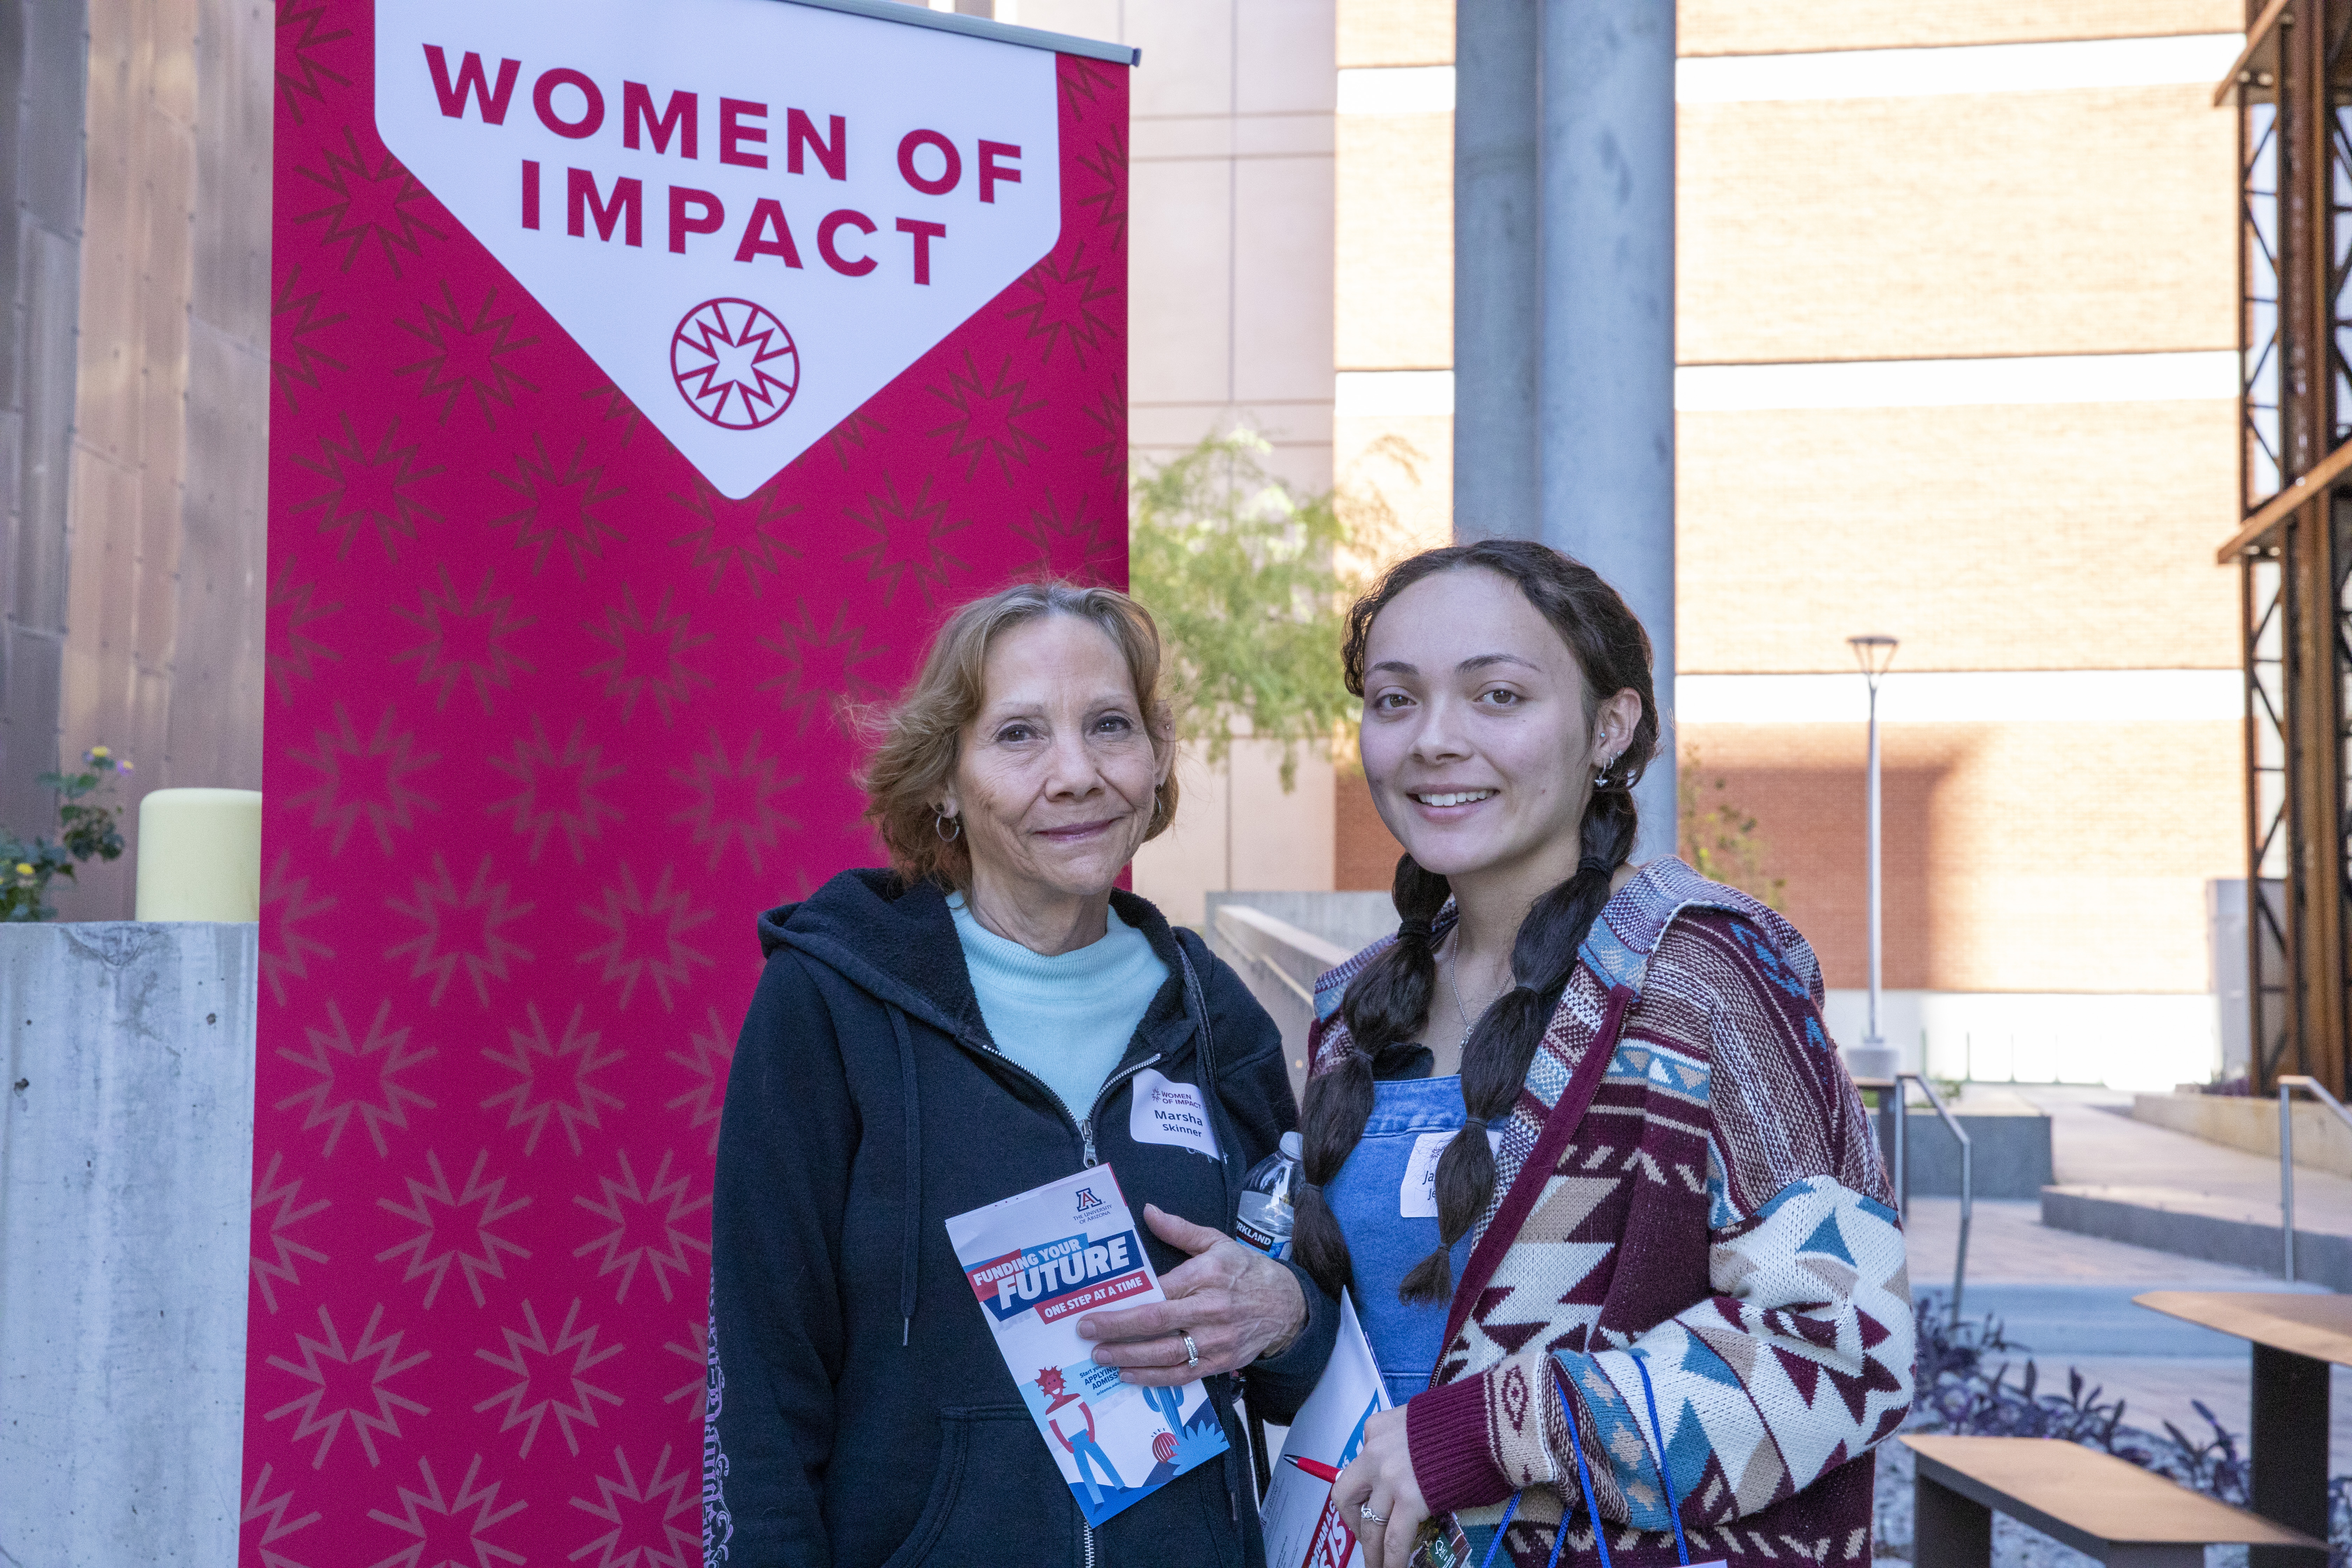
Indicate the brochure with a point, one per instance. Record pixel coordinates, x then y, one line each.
1303 1529
1039 1262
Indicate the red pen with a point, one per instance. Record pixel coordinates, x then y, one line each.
1316 1468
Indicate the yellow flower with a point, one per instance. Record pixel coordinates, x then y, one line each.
23 867
99 754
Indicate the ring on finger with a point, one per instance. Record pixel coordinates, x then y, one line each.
1191 1351
1366 1510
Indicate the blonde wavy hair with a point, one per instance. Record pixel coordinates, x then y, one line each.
916 741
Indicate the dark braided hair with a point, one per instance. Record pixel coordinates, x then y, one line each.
1387 1006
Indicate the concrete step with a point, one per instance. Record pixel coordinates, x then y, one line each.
2224 1226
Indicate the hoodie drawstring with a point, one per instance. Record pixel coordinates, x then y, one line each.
913 1227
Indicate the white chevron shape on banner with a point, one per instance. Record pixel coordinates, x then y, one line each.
751 215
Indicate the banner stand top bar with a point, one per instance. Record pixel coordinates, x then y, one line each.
916 16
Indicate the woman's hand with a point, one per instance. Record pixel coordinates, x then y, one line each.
1380 1477
1235 1301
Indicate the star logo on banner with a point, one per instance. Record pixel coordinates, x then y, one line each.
734 806
345 1389
541 1090
647 1225
561 504
287 650
654 1524
371 487
987 418
648 658
363 779
271 1236
443 1531
465 639
544 1382
440 1240
693 1349
465 356
286 949
297 370
820 664
339 1062
734 364
708 1052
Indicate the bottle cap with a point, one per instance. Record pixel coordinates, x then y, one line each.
1291 1146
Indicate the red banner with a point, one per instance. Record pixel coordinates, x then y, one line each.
647 382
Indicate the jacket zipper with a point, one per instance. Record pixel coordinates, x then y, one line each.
1086 1128
1088 1532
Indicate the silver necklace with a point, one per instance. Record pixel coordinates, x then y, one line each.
1454 982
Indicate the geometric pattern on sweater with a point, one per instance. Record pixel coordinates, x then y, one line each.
1726 1151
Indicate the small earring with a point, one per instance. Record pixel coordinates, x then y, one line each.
941 822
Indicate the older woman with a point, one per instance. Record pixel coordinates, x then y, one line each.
962 1027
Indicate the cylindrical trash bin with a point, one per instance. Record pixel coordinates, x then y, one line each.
200 854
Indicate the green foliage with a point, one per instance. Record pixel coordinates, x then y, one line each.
1719 840
1250 584
89 828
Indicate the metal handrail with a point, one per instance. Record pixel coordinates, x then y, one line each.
1967 1172
2287 1084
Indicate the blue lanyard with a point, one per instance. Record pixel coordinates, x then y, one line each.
1584 1482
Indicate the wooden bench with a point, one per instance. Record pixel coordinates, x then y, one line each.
2102 1506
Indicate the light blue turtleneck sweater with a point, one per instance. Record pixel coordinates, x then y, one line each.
1067 1017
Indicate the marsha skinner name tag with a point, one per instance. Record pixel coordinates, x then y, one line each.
1163 1111
750 251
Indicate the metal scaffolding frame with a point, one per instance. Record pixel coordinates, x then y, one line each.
2292 88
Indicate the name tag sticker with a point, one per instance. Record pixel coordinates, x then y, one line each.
1165 1112
1417 1194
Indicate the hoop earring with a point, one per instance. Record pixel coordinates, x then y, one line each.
941 822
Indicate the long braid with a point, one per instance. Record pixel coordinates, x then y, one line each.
1383 1010
1387 1006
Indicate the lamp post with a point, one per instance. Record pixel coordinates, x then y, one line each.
1874 653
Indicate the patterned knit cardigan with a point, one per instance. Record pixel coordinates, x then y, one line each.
1722 1214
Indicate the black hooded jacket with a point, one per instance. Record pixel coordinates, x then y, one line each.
860 1413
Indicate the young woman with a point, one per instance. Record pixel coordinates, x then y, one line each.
968 1024
1577 1141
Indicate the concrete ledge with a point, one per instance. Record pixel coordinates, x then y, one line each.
2059 1321
2189 1225
126 1181
2321 1141
2011 1145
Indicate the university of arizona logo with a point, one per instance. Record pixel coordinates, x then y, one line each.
1086 1200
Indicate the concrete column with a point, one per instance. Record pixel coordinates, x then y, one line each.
1587 292
126 1175
1498 272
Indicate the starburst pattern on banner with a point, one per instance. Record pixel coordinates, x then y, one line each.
1070 542
366 779
987 418
295 360
466 355
745 535
444 1534
648 658
1105 185
1108 413
693 1348
821 664
357 1076
301 41
708 1051
460 929
272 1233
344 1388
558 507
542 1383
731 807
617 406
375 488
270 1513
1061 302
907 535
465 638
656 1524
365 201
856 431
648 937
288 650
285 947
541 1089
651 1225
556 791
440 1242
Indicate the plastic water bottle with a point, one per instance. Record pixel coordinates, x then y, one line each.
1267 1198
